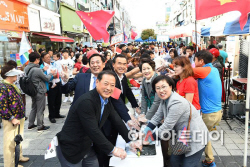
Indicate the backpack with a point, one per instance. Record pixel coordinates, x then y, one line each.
27 85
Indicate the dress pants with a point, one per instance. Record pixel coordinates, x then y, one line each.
89 160
37 110
9 133
54 100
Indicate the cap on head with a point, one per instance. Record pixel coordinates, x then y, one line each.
215 52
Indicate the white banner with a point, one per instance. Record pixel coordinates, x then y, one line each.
162 38
117 39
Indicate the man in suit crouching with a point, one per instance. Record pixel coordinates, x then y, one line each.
81 133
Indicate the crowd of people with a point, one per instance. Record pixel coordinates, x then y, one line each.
177 88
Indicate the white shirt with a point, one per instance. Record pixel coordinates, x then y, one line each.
120 79
70 64
91 82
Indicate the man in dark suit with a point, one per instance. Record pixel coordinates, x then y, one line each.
83 83
81 133
120 66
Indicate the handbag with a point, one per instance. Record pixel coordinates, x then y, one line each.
179 147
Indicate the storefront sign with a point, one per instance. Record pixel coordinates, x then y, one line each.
34 19
13 16
11 34
49 22
70 20
117 39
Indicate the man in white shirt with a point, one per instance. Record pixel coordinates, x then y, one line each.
68 62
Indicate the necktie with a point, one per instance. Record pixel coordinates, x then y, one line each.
94 83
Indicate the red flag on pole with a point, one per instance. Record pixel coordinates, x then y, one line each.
97 23
133 34
209 8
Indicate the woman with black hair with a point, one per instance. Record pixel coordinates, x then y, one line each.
173 54
78 64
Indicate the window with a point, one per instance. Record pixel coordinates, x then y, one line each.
49 4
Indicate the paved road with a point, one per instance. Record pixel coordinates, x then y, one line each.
34 145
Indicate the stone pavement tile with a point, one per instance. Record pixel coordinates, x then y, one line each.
36 164
231 146
238 141
218 145
228 140
237 152
226 160
240 146
222 152
52 164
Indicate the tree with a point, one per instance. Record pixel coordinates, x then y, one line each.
148 33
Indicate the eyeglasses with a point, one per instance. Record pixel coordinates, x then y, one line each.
164 87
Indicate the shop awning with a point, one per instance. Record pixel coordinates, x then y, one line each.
55 38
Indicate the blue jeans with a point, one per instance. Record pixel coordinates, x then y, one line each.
89 160
182 161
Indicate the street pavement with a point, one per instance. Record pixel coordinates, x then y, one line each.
230 154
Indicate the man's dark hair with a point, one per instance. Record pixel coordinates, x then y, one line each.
190 47
12 63
86 46
211 46
33 56
121 46
145 55
77 43
205 55
129 44
121 56
220 46
65 50
163 77
146 47
96 54
50 50
152 44
6 69
149 52
57 55
105 72
44 54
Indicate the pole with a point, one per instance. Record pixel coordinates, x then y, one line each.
196 35
247 111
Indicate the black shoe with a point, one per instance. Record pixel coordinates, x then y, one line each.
60 116
32 127
52 120
26 118
43 128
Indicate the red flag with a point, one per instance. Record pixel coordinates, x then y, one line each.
133 34
118 50
116 94
209 8
97 23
